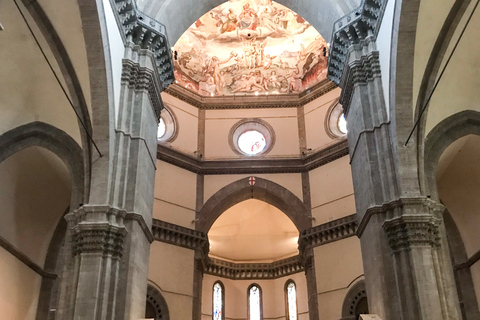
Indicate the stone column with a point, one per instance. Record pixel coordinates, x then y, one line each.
407 270
105 275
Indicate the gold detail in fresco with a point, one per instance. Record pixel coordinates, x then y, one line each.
250 47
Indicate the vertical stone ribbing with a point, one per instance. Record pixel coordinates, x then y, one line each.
407 272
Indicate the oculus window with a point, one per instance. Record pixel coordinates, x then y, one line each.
335 121
167 127
251 137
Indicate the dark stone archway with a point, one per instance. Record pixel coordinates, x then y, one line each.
263 190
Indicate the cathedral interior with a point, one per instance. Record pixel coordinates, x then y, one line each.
240 159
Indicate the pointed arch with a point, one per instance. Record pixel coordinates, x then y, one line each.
55 140
263 190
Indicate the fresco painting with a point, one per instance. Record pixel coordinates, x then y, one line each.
250 47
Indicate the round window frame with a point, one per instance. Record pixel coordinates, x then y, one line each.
249 125
171 126
332 118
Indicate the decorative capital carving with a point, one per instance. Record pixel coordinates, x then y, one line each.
149 34
350 30
141 78
360 71
97 229
408 231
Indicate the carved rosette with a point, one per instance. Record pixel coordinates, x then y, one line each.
409 231
97 229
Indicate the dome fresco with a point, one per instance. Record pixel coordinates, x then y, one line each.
250 47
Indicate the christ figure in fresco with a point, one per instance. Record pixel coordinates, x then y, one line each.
248 18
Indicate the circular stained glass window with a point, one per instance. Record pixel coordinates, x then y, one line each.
342 124
161 129
252 142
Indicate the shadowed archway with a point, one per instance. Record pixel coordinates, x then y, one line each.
263 190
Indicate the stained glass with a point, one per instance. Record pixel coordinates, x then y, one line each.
292 301
254 303
161 129
342 124
251 142
217 302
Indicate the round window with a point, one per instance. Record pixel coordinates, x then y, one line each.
167 127
161 129
251 137
335 122
252 142
342 124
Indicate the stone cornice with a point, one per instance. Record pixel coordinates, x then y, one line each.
328 232
420 204
244 271
147 33
350 30
198 241
358 72
292 165
142 78
180 236
251 102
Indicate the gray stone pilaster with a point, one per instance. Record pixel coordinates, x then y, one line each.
106 269
405 255
408 273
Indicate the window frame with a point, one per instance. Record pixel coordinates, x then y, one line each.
247 125
287 309
260 291
223 298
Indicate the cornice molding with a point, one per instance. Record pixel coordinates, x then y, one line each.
251 102
328 232
401 206
198 241
180 236
350 30
250 271
256 166
142 78
147 33
360 71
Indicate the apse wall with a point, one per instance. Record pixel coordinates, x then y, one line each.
273 297
181 191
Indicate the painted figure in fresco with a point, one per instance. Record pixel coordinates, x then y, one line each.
269 60
214 68
295 82
231 23
248 18
273 80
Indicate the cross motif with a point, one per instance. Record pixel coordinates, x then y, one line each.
251 181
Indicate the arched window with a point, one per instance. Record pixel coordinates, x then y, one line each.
291 300
254 302
218 312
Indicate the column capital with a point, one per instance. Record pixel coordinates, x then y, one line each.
147 33
97 229
353 29
409 231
